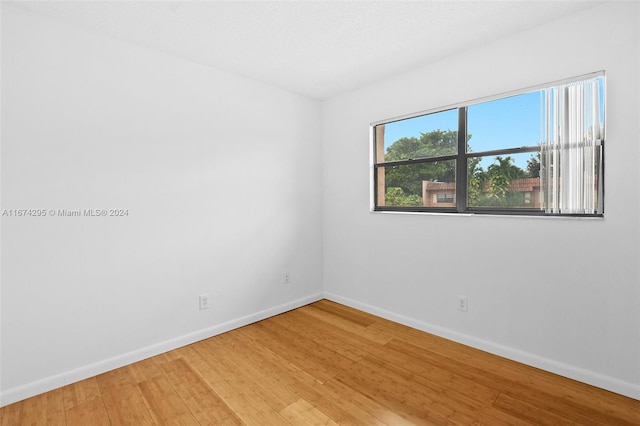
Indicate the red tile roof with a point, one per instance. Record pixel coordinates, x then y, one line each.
520 185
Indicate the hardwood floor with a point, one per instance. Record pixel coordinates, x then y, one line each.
325 364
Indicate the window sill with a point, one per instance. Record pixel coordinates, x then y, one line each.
502 216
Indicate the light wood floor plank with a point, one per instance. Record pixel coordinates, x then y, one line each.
144 370
205 405
239 395
11 415
529 412
357 409
304 414
123 399
293 354
522 380
464 396
395 391
301 324
125 405
44 409
166 406
320 352
374 334
273 387
550 392
91 412
455 387
325 363
434 376
81 392
351 315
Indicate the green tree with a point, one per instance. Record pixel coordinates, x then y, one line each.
533 166
501 173
485 187
409 177
430 144
499 176
477 180
396 197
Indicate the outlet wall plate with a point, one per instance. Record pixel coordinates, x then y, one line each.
203 301
462 303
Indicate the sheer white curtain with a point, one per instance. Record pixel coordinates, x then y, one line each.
571 147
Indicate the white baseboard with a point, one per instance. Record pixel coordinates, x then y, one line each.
585 376
47 384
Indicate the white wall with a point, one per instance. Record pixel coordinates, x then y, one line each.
194 153
221 176
561 294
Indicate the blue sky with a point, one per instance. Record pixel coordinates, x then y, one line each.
503 123
509 122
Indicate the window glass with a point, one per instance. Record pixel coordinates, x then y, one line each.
425 136
446 197
418 185
507 181
504 123
540 152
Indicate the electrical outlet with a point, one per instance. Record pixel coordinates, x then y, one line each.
286 279
462 303
204 301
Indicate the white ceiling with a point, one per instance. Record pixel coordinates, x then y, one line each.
316 48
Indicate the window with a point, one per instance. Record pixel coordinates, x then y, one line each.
444 198
537 151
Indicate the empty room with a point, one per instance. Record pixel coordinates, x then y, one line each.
320 212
